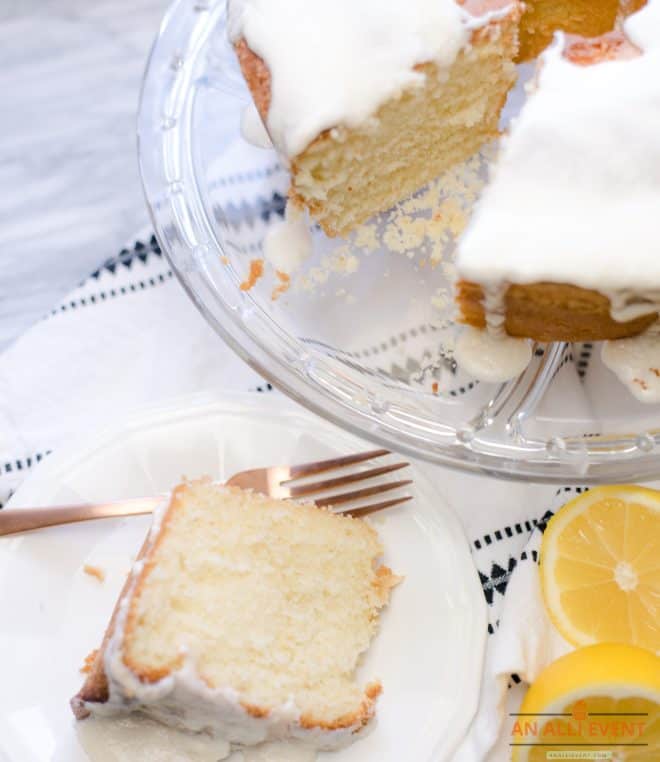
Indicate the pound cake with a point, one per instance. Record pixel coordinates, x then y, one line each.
244 619
562 244
369 101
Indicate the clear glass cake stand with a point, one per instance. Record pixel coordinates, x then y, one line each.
364 335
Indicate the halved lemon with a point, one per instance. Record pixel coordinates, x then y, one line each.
603 698
600 567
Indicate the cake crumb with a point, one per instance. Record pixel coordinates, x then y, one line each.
94 571
283 285
366 238
256 271
319 275
224 260
344 263
441 299
89 662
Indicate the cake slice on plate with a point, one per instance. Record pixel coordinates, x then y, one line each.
369 101
245 619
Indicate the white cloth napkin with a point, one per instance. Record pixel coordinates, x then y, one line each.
128 336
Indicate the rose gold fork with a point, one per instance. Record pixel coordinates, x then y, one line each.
276 481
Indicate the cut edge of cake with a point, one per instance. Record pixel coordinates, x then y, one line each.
178 694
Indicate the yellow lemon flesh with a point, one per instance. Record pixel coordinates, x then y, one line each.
600 567
603 698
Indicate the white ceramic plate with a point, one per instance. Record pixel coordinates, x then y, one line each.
428 653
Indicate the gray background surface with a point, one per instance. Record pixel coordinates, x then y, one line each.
70 196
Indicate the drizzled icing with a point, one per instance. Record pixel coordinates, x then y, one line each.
576 191
636 363
252 128
333 62
289 243
492 359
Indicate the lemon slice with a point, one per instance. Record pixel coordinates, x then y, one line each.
600 567
598 700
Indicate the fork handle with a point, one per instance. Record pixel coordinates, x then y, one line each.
14 520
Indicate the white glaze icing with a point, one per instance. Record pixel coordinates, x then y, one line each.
279 752
576 190
333 65
494 309
134 738
253 129
289 243
636 363
489 358
137 739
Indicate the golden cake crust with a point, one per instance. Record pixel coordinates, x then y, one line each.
95 689
551 312
257 76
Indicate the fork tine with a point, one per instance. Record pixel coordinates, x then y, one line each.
367 509
339 481
320 466
358 494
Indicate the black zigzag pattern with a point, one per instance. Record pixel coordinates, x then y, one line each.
249 176
248 212
498 580
141 251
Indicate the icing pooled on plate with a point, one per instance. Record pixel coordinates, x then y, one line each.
491 358
134 738
139 739
279 752
636 363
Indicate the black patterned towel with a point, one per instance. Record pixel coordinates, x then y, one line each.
129 336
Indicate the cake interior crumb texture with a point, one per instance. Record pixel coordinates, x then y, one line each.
347 175
273 599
